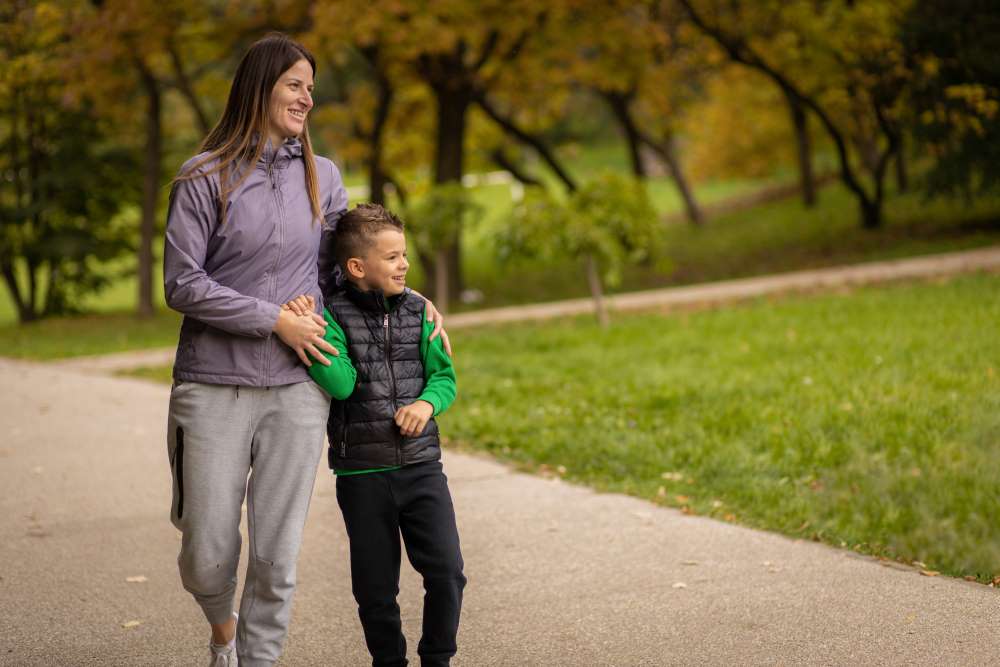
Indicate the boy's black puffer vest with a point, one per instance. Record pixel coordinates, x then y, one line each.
385 348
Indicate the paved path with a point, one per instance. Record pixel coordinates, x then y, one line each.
558 575
931 266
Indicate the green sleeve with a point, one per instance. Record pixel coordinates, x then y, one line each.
338 378
439 373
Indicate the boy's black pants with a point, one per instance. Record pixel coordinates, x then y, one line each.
414 502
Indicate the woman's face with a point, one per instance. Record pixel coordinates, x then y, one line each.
291 100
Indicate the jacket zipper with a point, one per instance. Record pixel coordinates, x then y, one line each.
392 382
277 260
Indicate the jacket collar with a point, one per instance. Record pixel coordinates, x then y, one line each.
290 149
374 300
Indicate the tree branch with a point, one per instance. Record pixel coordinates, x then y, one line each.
511 128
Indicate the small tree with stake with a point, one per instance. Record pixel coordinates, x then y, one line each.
433 222
606 224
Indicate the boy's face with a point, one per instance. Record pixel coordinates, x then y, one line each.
385 265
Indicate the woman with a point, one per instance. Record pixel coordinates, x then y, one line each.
243 236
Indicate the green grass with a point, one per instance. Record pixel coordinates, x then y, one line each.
62 337
769 238
869 420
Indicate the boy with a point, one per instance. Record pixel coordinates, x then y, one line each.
389 382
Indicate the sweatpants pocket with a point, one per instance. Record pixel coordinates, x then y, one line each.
177 467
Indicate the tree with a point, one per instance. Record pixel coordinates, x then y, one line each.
458 51
854 50
433 219
135 54
631 55
956 98
606 224
65 181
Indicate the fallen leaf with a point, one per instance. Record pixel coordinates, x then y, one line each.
929 573
681 499
672 476
561 470
689 562
138 579
661 492
680 584
131 624
920 564
717 504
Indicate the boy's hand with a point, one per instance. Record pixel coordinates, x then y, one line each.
412 418
303 304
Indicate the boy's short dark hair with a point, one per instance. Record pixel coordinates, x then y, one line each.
357 228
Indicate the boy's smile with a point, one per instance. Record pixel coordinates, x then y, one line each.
385 265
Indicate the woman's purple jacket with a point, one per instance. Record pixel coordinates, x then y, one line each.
229 280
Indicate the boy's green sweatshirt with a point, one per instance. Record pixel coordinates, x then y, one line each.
339 377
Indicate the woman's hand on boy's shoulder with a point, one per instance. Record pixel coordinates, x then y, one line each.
435 316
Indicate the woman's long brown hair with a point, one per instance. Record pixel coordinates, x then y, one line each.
232 141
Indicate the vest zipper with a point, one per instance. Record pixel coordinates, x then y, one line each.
392 382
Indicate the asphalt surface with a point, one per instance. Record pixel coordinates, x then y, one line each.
558 574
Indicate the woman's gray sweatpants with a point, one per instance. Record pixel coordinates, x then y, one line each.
217 435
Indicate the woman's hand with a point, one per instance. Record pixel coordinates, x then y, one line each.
304 334
435 316
301 305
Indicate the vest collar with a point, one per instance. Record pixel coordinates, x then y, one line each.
374 300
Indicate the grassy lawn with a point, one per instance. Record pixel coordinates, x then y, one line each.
104 333
869 420
769 238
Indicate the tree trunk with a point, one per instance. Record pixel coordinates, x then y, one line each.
33 141
7 263
803 143
24 313
619 103
377 178
871 213
441 296
452 107
596 291
150 190
902 174
665 149
186 89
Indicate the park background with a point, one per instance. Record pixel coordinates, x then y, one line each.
541 151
